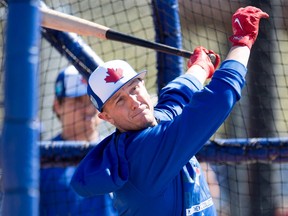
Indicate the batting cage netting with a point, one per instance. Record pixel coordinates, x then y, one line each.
245 161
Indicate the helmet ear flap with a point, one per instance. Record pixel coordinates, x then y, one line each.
93 98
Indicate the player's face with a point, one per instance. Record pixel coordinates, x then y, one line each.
79 117
130 108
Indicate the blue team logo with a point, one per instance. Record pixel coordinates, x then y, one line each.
59 88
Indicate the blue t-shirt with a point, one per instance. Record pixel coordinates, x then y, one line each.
58 198
154 171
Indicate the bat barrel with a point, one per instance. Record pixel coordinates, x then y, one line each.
67 23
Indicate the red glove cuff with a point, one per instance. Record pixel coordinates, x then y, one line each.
241 41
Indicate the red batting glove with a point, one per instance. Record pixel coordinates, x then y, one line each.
245 25
201 57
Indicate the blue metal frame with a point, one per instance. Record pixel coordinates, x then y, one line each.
168 32
19 149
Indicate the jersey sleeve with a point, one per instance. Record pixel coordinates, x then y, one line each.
175 96
160 152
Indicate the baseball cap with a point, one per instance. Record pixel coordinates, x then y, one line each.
108 78
70 83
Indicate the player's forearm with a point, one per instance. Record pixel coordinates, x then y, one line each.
240 54
198 72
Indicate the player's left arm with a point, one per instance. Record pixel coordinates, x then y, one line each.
177 94
200 65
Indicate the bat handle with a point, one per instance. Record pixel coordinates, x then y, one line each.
187 54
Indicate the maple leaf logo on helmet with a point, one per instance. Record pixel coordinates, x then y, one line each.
114 75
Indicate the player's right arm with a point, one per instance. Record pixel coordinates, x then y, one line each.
245 26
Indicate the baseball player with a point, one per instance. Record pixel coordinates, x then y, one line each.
79 122
149 162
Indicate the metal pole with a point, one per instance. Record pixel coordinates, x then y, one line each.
19 150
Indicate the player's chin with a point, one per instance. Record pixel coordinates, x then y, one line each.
145 122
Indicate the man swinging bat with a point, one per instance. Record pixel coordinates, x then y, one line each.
149 161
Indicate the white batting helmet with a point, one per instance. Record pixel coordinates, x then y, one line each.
108 78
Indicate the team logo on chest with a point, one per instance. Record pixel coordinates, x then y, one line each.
197 175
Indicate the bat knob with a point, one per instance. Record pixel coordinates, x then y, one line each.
212 58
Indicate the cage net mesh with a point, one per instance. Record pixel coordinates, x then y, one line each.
238 188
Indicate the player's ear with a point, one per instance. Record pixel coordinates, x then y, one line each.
106 117
57 107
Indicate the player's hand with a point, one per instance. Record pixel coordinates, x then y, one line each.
245 26
200 57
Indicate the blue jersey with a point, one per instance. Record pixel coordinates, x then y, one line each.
154 171
58 198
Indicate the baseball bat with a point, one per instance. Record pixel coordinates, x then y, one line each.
68 23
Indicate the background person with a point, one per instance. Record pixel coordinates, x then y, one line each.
79 122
